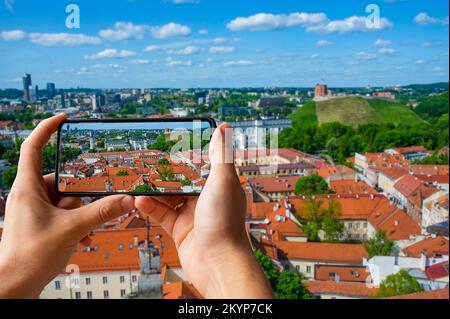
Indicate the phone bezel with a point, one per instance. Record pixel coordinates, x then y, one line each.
211 121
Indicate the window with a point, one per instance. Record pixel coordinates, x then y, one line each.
297 268
123 292
122 279
105 280
134 278
88 281
78 295
120 247
58 285
350 225
357 226
131 246
308 269
89 295
365 225
106 294
332 274
357 236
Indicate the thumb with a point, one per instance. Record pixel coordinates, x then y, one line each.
102 211
221 148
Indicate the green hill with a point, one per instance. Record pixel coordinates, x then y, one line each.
355 111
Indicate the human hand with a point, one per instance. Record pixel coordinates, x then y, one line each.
209 232
41 229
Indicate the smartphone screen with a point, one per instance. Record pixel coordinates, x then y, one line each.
137 157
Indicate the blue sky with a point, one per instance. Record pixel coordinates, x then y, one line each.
218 43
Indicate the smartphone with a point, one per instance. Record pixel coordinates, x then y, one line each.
151 157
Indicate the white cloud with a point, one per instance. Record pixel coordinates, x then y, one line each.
83 71
13 35
322 43
350 24
171 62
216 50
424 19
237 63
110 53
428 44
388 51
267 21
108 66
438 69
189 50
203 32
152 48
381 43
140 62
419 61
170 30
315 56
313 22
365 56
63 39
124 31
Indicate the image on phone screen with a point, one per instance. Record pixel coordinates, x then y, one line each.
148 157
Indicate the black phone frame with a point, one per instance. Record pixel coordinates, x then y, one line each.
211 121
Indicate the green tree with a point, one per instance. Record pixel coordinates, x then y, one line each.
144 189
311 185
48 158
163 162
315 218
9 175
122 173
379 245
268 268
166 173
11 156
286 284
290 286
162 144
399 284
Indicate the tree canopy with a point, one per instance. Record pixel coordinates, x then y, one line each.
311 185
379 245
401 283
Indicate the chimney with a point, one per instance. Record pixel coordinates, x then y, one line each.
396 260
423 260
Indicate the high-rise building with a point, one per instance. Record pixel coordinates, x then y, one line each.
26 86
321 90
33 93
51 90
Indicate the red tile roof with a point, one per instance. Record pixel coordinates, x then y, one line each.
430 246
408 184
411 149
274 184
118 250
344 273
180 290
430 169
347 289
433 294
335 171
325 252
394 173
438 271
351 187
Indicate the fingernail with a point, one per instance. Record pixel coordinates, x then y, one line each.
128 204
